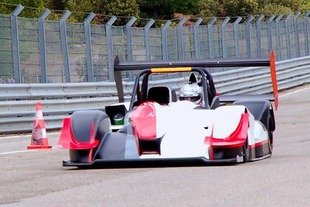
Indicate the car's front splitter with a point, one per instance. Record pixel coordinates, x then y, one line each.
152 162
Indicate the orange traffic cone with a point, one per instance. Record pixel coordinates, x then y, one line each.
39 139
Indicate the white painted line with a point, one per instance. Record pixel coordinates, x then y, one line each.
13 152
24 151
25 136
16 137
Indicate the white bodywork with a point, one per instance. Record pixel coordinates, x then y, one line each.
184 128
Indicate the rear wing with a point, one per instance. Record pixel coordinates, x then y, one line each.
174 66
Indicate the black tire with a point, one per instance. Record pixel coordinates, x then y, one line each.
246 152
271 128
270 142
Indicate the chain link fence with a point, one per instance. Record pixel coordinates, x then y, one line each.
44 51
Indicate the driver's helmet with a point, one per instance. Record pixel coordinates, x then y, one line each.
191 92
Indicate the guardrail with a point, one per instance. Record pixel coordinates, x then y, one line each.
17 101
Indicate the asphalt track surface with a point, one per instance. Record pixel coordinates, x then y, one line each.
37 178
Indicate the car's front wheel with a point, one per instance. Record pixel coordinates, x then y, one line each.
246 152
270 142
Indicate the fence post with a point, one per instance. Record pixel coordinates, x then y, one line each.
15 43
236 36
147 38
211 37
297 33
278 37
287 31
196 38
129 43
270 47
128 34
258 35
64 45
224 45
248 35
180 38
164 39
42 45
89 52
110 47
306 33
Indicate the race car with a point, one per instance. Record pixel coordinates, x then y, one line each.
157 128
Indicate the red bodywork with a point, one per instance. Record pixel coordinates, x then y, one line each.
235 140
68 141
143 120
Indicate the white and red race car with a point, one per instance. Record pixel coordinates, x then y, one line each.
155 128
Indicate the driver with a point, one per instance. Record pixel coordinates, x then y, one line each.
191 92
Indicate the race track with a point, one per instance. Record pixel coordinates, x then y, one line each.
37 178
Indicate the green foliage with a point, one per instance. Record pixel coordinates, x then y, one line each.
33 8
80 9
165 9
55 4
305 6
103 7
83 6
272 9
156 9
208 8
122 8
239 7
294 5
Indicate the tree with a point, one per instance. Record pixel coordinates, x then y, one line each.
164 9
305 7
208 8
271 7
79 9
55 4
294 5
238 7
122 8
33 8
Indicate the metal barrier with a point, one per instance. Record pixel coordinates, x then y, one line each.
17 101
